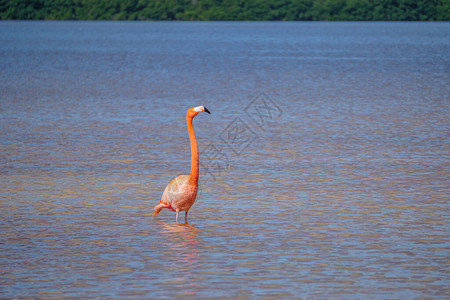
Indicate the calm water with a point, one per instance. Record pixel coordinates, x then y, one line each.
325 162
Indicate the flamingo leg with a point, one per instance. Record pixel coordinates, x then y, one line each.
185 217
177 214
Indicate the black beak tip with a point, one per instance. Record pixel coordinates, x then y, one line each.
206 110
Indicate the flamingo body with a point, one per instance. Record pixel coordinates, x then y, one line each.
181 192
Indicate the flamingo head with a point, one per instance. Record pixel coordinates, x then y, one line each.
192 112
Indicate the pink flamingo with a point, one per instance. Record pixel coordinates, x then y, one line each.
181 192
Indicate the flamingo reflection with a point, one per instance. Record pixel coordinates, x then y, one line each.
183 242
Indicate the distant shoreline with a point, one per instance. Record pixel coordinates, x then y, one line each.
229 10
219 21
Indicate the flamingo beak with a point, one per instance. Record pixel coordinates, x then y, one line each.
206 110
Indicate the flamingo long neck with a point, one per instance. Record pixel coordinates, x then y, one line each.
193 178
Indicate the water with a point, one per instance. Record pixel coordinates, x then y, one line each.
324 163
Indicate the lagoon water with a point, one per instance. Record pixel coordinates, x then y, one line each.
324 164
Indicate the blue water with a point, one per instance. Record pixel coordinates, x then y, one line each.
324 164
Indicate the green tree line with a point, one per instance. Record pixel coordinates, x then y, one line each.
230 10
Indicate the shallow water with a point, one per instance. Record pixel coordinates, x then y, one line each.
324 163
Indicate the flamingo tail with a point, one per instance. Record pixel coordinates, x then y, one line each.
158 208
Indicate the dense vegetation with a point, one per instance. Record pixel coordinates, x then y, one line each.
352 10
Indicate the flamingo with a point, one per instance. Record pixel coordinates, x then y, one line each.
181 191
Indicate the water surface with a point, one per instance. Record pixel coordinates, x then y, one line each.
325 161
